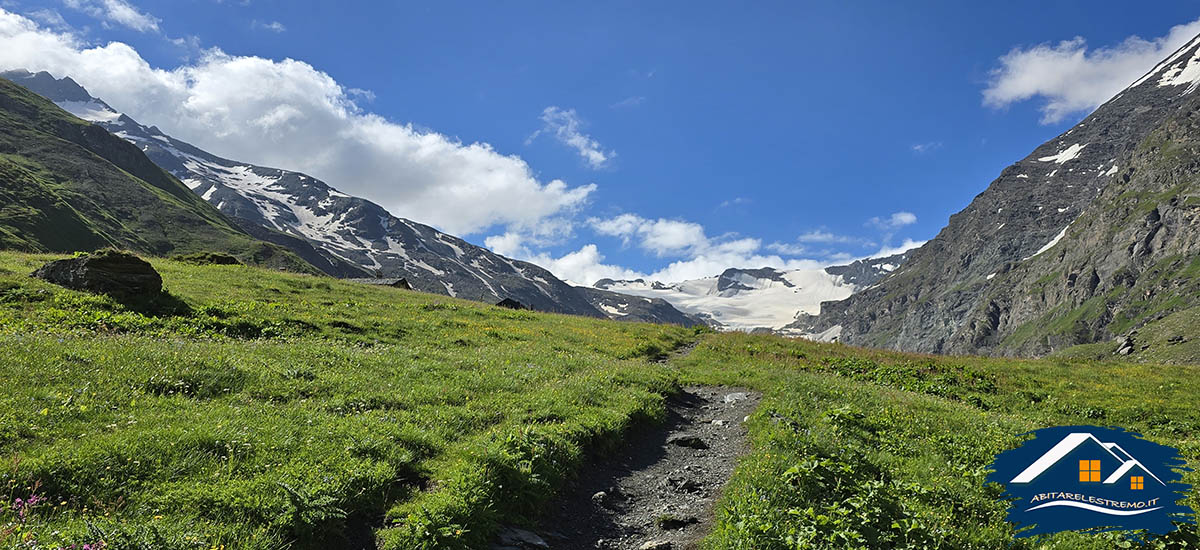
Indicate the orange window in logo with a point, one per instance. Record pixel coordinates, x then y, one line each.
1136 482
1089 471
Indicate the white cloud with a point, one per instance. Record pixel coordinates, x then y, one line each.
509 244
116 11
586 265
926 147
1071 79
893 222
700 255
788 249
50 18
663 237
907 245
564 125
821 236
273 26
736 201
818 236
291 115
367 95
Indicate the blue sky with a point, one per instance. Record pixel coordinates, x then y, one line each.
686 135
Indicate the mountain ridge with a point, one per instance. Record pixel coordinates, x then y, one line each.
343 235
958 294
73 186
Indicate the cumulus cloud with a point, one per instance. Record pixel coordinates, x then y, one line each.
1069 78
116 11
736 201
290 115
581 267
663 237
698 254
893 222
566 127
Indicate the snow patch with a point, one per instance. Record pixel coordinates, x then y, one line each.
612 310
1065 155
828 335
1188 73
1166 63
91 110
1050 244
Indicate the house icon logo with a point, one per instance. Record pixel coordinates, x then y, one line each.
1095 479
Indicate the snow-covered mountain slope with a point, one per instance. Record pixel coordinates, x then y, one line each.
354 237
627 307
749 299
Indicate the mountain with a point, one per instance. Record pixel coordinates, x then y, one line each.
67 185
765 298
626 307
1092 235
343 235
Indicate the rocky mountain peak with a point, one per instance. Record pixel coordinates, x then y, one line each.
973 287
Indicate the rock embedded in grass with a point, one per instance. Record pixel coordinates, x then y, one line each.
118 274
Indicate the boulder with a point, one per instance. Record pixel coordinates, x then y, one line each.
118 274
511 304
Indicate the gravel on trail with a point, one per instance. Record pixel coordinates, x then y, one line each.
656 492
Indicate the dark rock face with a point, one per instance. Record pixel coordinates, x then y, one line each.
1092 234
118 274
730 278
864 273
45 85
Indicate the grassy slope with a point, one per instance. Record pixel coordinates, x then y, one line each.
278 407
67 185
861 448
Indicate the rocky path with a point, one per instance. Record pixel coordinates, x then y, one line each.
656 492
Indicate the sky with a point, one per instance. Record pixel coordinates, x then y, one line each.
667 140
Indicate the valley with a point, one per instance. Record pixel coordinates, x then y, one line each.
283 409
205 353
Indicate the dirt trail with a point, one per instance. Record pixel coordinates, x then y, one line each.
657 491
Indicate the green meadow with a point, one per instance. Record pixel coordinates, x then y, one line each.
250 408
